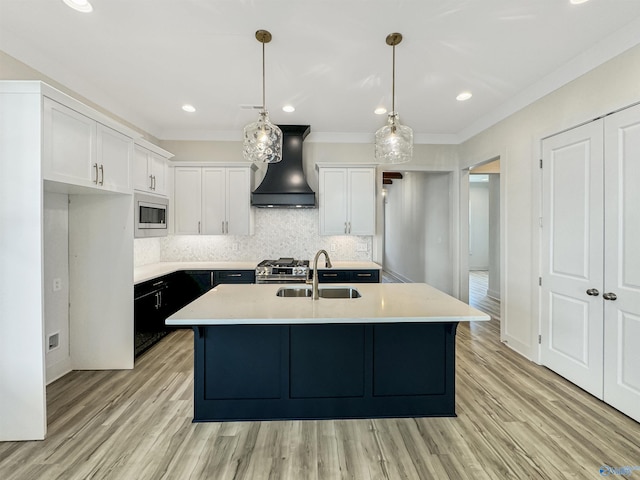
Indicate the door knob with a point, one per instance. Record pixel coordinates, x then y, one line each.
593 292
610 296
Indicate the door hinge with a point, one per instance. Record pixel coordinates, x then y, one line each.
540 163
540 281
539 339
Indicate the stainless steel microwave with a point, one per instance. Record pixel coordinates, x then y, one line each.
151 216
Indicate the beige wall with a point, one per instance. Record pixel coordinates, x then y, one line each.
516 140
13 69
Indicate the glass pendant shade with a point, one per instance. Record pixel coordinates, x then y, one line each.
262 141
394 142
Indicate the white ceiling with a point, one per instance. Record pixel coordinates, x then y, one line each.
143 59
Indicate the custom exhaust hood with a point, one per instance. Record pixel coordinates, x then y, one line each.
284 185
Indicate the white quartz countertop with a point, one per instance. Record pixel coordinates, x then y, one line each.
380 303
154 270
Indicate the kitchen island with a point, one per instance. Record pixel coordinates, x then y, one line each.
260 356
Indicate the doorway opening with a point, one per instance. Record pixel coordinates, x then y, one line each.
484 237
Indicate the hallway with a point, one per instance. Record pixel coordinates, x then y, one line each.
478 284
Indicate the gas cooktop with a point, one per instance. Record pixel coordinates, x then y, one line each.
282 270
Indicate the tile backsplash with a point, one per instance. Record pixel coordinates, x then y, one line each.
278 233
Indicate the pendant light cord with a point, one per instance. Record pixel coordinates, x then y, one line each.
393 82
264 103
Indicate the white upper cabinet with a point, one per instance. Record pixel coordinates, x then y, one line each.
114 158
150 168
79 150
69 145
213 201
347 200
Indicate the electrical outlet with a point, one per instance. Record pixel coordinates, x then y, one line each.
54 341
57 284
361 247
234 247
333 247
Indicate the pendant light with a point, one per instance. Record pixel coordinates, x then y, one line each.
262 139
394 142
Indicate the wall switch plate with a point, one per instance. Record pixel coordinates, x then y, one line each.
333 247
361 247
57 284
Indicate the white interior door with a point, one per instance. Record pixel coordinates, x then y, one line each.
622 261
572 256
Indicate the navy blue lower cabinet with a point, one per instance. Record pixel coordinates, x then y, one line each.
319 371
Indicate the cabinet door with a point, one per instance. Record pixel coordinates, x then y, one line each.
188 201
69 140
115 151
158 169
362 201
141 174
213 201
333 201
239 202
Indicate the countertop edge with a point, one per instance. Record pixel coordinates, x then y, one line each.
144 273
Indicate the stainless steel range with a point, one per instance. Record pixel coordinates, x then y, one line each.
283 270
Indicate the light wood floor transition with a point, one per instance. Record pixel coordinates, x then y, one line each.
515 420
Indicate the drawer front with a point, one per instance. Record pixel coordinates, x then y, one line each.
235 276
365 276
333 276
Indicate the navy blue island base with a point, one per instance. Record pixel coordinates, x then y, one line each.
324 371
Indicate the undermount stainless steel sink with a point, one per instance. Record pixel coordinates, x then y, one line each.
324 292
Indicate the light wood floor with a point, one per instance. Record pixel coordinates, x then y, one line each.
478 286
515 420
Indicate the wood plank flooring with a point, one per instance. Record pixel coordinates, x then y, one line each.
515 420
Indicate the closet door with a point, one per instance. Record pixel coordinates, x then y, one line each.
572 256
622 262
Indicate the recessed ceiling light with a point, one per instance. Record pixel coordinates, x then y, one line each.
464 96
288 108
80 5
189 108
577 2
380 111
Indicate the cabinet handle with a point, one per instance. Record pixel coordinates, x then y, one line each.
363 274
211 279
329 274
226 226
222 226
102 176
198 227
160 299
345 227
610 296
593 292
150 182
95 165
234 275
349 227
158 283
157 300
154 182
